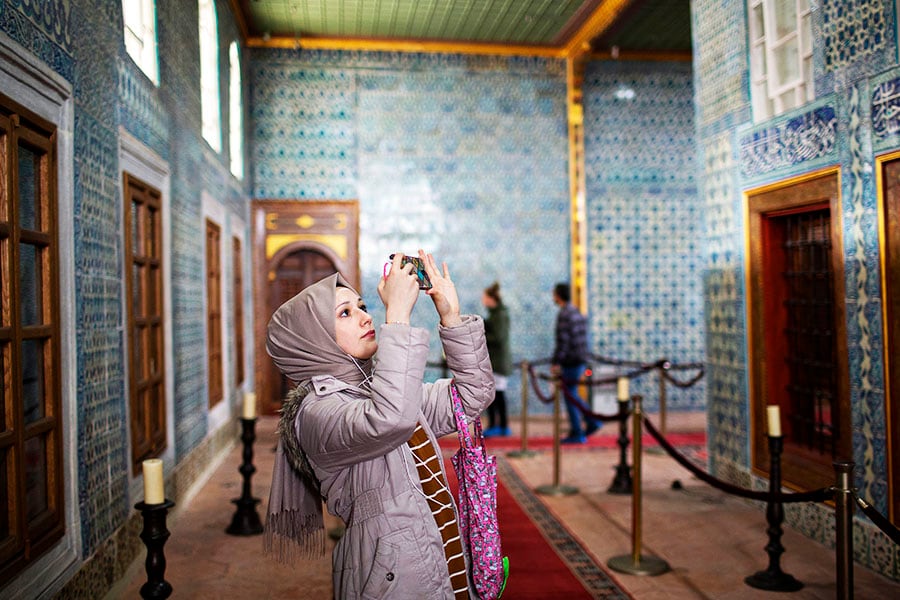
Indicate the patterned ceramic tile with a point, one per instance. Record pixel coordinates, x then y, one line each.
643 221
461 155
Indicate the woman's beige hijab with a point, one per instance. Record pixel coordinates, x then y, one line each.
301 337
302 343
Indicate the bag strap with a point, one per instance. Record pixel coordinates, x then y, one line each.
462 428
466 439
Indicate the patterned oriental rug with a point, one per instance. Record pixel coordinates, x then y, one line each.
545 560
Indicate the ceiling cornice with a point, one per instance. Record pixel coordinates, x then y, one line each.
604 14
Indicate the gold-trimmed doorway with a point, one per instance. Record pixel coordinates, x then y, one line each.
295 243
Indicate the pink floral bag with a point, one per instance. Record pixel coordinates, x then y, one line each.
480 533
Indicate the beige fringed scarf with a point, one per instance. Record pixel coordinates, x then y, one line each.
294 524
302 344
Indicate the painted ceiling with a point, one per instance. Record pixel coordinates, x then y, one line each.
528 27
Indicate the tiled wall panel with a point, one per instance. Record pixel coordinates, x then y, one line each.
463 156
82 41
644 221
849 122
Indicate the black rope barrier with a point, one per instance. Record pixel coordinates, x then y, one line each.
582 406
578 402
880 521
617 362
683 384
592 381
819 495
533 378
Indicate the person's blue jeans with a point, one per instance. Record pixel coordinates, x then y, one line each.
571 376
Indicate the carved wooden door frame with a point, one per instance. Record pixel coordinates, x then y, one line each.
282 227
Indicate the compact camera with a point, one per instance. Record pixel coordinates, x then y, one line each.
418 269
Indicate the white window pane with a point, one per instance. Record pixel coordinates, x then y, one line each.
761 108
808 78
209 74
806 35
133 44
235 111
758 56
132 12
139 18
787 65
757 28
787 101
785 17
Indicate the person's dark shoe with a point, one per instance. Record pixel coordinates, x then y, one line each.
492 432
573 439
505 432
592 428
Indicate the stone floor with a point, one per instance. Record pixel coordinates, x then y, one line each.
709 541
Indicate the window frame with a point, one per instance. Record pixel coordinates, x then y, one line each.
235 112
18 552
215 355
800 469
210 99
155 440
33 84
766 91
144 33
237 276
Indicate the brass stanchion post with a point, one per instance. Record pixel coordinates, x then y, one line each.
662 397
660 370
843 517
635 563
556 489
524 452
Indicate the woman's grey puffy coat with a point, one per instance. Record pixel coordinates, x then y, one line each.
356 442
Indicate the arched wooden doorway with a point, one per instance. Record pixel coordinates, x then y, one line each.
295 244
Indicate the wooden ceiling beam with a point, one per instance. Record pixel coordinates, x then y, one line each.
598 23
384 45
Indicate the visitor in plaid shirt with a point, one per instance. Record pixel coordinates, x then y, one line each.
570 361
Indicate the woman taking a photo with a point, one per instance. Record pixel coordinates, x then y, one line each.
360 432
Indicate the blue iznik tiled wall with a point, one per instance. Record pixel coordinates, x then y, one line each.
82 41
848 124
644 222
464 156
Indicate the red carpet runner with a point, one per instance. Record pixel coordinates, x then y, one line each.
541 568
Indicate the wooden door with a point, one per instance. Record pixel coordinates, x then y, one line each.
295 244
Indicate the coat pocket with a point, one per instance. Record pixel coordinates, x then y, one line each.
396 569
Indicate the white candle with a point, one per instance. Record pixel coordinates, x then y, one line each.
774 417
249 405
622 389
154 490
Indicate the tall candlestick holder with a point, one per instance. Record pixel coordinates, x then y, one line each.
622 482
246 520
773 578
154 536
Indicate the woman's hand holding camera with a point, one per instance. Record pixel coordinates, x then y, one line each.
399 290
442 292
